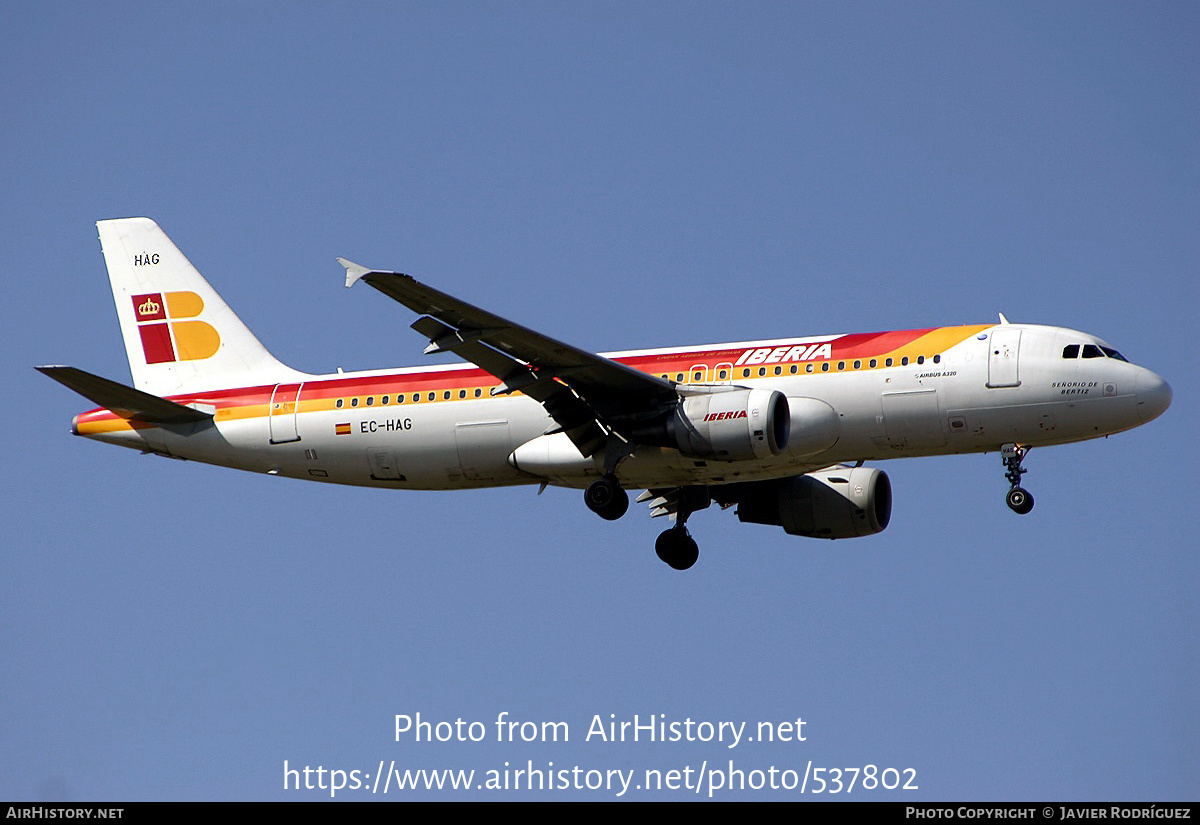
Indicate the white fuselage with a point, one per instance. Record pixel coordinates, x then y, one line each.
1008 383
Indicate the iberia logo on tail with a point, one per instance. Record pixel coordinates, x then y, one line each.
165 336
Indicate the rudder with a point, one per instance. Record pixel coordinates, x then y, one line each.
180 336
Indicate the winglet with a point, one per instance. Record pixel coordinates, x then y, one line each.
353 271
1003 320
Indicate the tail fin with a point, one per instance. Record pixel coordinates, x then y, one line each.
180 336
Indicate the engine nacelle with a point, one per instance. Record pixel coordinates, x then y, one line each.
731 426
835 503
815 426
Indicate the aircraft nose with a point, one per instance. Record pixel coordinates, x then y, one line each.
1153 396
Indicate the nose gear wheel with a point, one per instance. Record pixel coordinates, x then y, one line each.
1018 499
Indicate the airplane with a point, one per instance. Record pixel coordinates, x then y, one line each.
779 429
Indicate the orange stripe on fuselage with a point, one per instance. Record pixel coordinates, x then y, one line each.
321 394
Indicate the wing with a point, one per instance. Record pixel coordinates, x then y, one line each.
587 395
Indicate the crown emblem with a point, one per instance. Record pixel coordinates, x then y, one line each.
149 307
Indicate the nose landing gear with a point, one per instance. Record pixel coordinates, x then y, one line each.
1018 499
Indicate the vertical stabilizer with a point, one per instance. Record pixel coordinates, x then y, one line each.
180 336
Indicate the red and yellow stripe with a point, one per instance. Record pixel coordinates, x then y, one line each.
323 393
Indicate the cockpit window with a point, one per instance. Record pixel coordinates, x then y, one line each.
1092 351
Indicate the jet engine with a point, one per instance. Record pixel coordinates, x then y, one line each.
834 503
731 426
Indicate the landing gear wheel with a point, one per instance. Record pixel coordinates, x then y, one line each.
677 548
606 498
1019 500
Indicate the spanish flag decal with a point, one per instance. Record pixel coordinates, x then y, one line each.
341 429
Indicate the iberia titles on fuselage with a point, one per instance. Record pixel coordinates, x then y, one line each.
778 428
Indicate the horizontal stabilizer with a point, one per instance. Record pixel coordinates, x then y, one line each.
122 400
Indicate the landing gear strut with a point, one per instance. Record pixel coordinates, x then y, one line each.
606 498
1018 499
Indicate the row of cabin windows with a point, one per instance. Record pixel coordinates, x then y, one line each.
413 398
873 363
722 375
1091 351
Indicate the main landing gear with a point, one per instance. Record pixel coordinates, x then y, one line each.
1018 499
606 498
677 548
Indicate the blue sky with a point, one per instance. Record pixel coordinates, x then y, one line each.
619 176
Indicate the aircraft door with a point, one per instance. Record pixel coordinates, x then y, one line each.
282 416
1003 349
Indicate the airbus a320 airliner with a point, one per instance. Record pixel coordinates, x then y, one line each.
778 429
